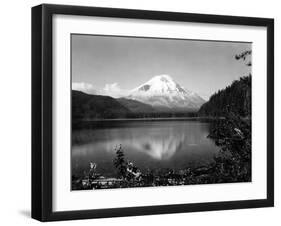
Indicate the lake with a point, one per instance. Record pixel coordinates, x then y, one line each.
154 144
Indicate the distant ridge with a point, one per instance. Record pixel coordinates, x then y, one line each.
87 107
161 96
136 106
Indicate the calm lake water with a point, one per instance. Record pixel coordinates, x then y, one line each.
148 144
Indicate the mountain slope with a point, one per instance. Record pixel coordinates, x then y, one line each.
163 92
135 106
235 98
86 106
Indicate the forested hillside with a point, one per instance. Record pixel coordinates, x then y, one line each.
135 106
87 107
235 98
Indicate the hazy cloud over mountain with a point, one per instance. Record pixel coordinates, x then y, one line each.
114 90
84 87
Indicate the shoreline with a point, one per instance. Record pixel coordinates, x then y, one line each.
153 119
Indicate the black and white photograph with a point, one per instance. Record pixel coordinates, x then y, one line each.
145 112
150 112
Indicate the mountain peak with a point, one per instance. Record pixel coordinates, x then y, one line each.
162 90
159 84
162 78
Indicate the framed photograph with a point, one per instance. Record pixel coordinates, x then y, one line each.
145 112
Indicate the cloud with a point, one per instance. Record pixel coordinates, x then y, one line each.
114 87
114 90
84 87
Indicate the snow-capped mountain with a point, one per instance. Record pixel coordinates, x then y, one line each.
163 91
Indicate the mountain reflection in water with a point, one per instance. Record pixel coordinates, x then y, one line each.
149 144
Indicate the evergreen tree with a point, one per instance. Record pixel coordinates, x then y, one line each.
120 163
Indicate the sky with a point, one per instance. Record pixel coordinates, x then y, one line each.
113 65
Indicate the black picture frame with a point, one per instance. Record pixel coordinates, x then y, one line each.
42 111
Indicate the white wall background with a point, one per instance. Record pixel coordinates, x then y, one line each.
15 113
